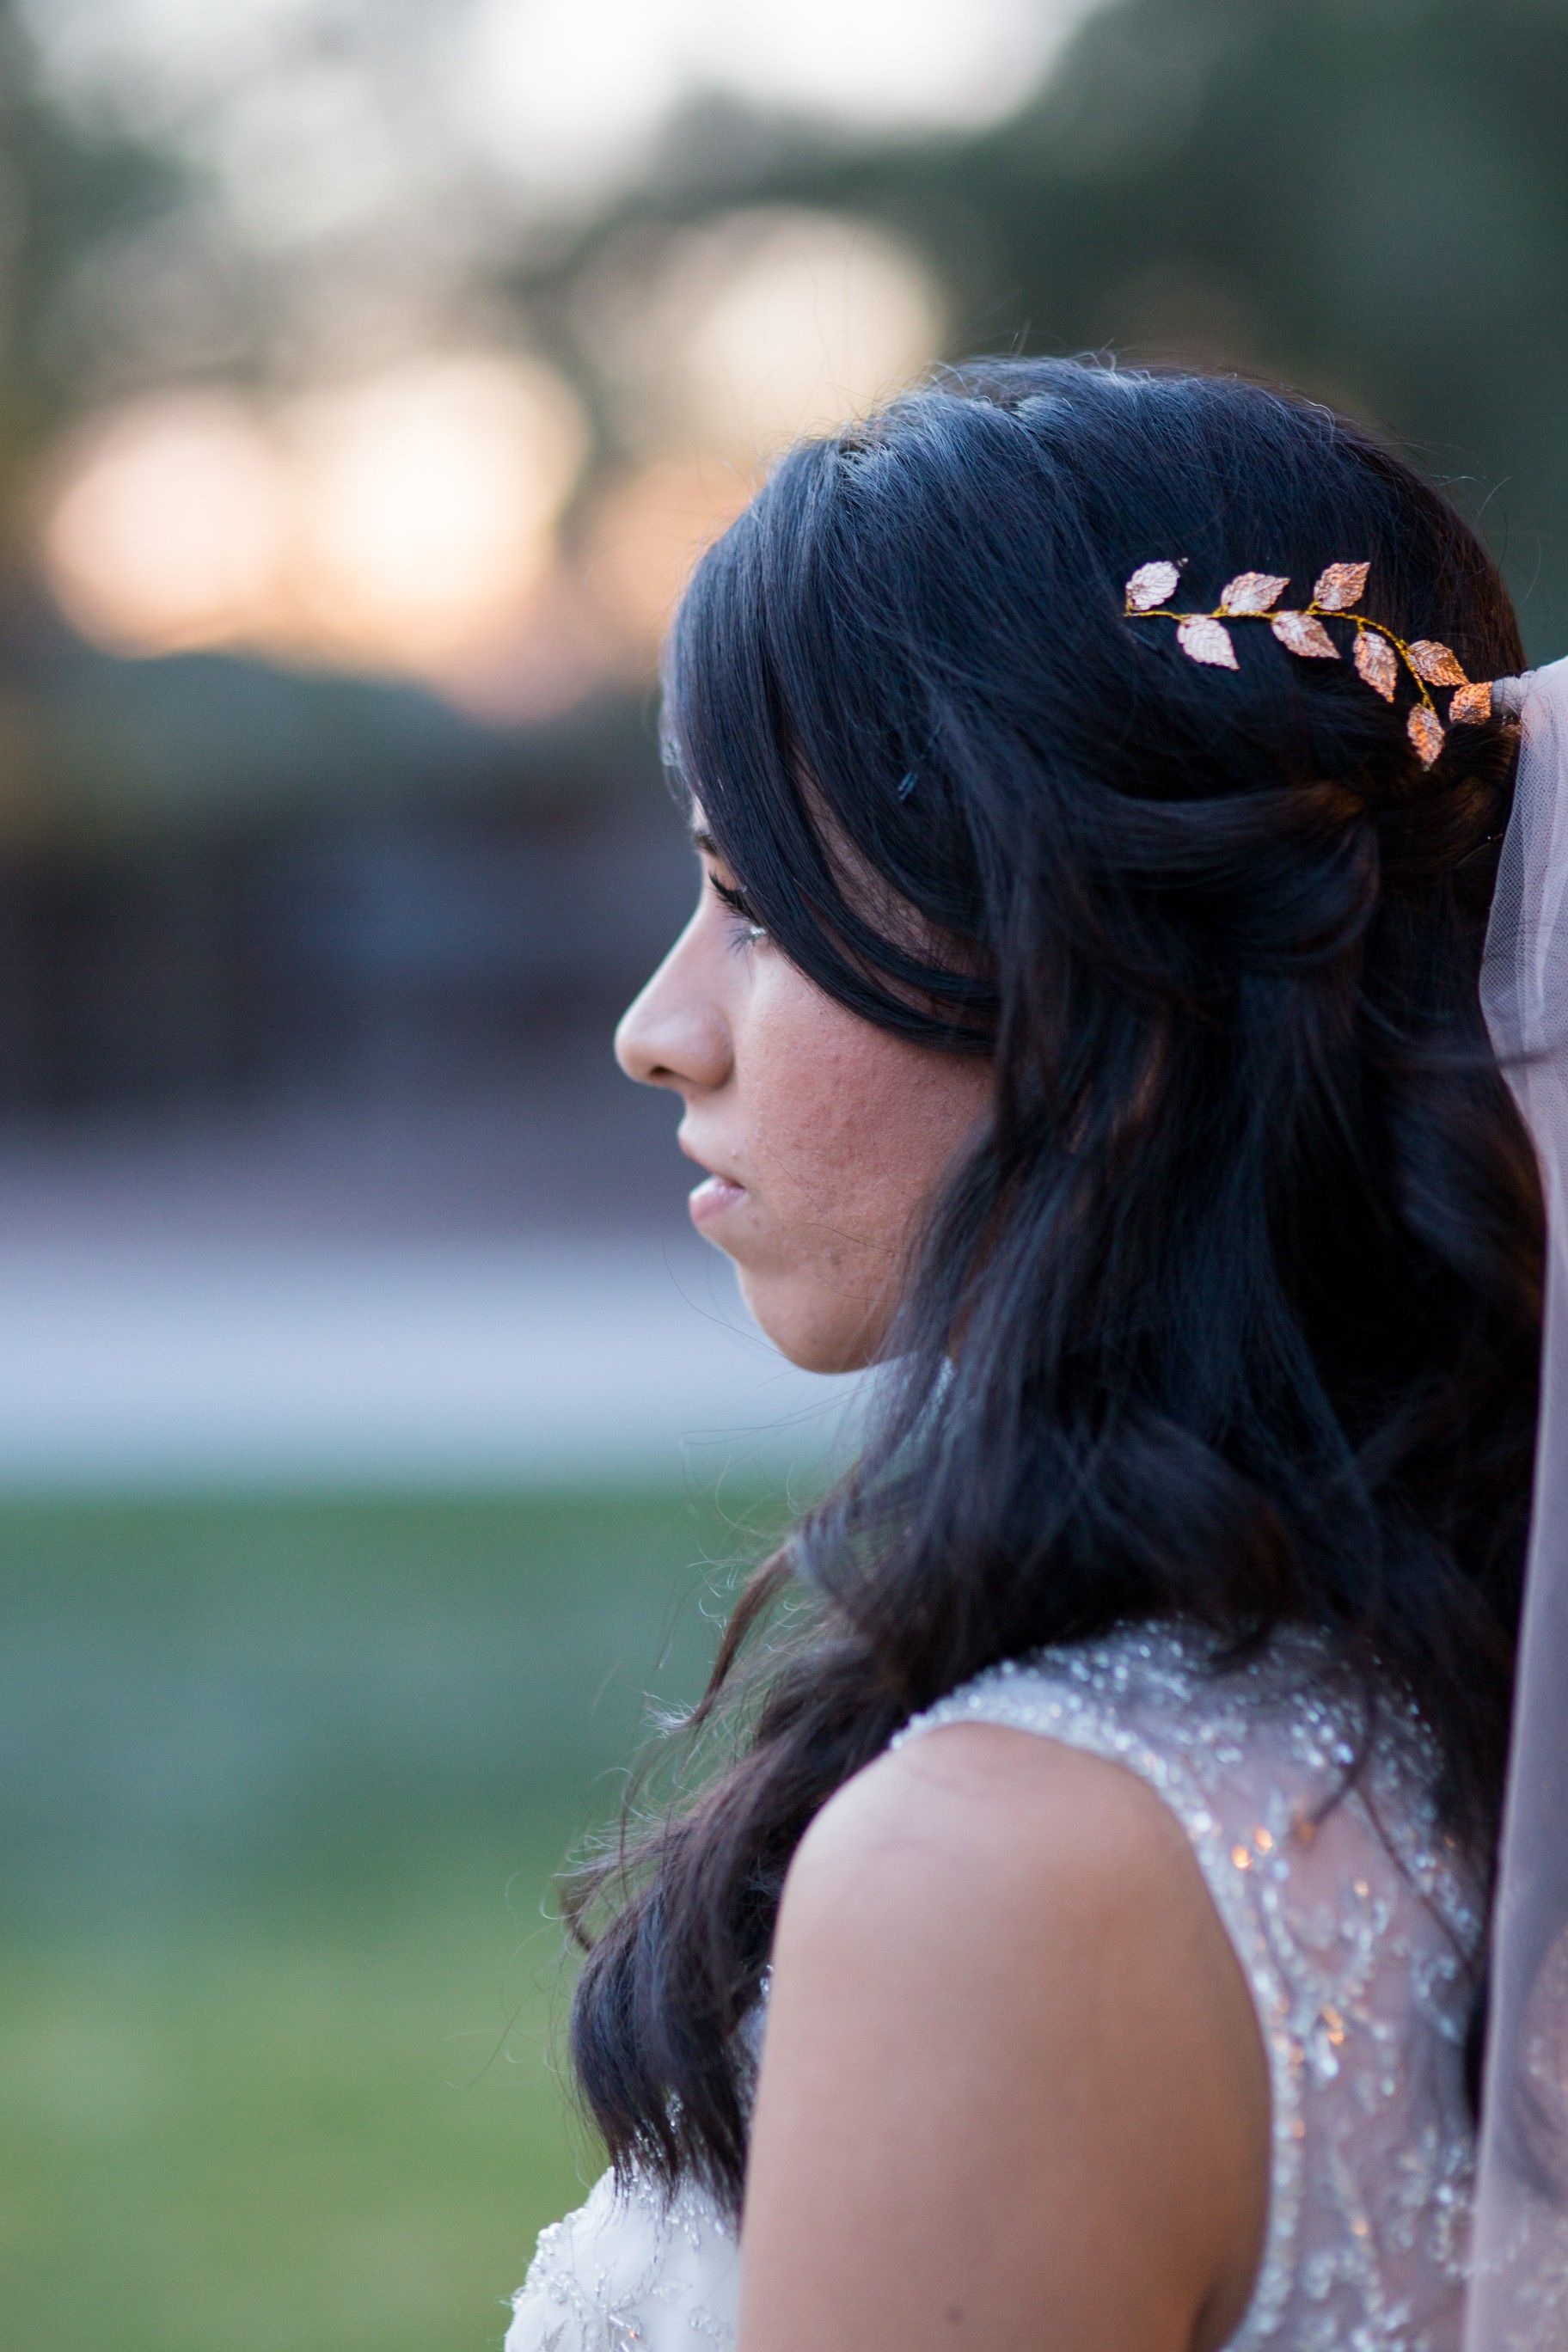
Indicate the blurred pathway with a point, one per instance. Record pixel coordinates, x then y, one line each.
486 1295
608 1358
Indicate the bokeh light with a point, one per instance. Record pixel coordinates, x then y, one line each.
763 322
426 500
568 98
396 523
406 520
169 525
646 531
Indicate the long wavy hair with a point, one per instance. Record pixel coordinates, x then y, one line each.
1233 1314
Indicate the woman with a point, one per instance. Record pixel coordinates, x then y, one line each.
1079 1022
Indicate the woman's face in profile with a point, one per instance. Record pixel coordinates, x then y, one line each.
822 1135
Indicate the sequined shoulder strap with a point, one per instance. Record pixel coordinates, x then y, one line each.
1215 1754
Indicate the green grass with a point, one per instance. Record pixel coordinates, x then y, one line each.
284 1785
329 2129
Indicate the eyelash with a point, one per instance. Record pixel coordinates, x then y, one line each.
739 907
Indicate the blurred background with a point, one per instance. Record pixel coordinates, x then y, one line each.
373 1437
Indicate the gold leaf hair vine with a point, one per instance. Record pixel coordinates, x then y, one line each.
1376 653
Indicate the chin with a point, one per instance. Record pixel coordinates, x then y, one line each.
811 1328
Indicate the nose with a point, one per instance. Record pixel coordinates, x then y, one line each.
674 1033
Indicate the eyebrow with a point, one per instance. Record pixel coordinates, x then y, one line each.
703 841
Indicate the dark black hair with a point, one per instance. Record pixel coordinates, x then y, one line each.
1234 1313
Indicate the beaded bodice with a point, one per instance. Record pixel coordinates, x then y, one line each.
1355 1928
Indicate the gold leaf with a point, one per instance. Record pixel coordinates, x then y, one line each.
1435 663
1472 705
1338 588
1204 640
1152 585
1251 592
1376 661
1425 729
1303 634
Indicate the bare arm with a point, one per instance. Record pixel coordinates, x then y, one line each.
1014 2093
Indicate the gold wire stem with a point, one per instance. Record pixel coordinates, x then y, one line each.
1315 611
1204 637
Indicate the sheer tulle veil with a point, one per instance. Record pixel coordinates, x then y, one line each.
1519 2293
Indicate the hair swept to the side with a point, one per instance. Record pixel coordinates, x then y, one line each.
1232 1313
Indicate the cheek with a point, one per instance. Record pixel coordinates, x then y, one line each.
846 1131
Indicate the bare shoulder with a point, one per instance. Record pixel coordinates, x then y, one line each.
981 1812
979 1853
1009 2053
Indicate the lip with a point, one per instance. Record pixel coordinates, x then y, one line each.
714 1199
715 1195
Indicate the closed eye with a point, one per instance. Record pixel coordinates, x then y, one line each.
736 902
741 907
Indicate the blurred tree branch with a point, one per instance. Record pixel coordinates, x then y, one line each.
63 190
1370 202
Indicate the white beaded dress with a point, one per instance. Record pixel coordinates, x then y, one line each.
1356 1930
